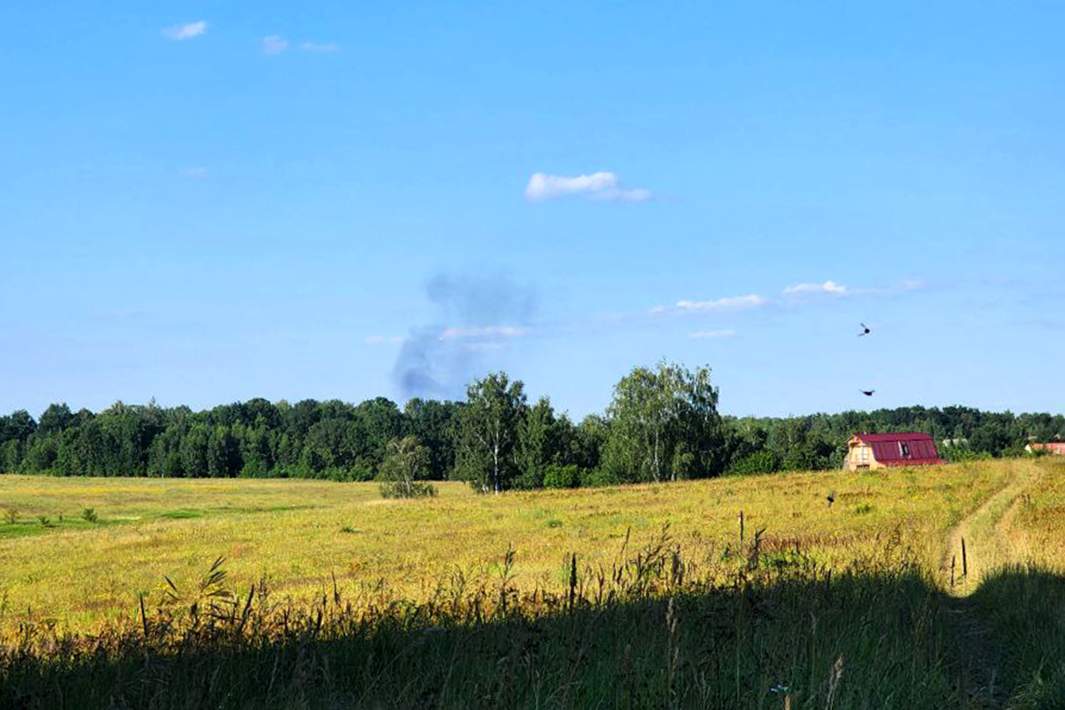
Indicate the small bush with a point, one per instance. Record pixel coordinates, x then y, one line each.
45 521
591 477
556 476
407 489
963 454
89 515
758 462
11 516
863 508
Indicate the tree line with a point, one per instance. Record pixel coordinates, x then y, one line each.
662 424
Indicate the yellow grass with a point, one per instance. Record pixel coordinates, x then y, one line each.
299 533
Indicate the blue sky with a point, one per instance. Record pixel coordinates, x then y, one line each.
203 202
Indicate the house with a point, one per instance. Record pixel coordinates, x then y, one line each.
899 449
1053 447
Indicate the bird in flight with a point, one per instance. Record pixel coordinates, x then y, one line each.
866 330
868 393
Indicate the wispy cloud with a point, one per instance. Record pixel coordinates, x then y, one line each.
828 287
728 303
320 47
383 339
486 331
711 334
274 44
194 173
597 186
186 31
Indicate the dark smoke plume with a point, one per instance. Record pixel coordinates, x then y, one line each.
477 314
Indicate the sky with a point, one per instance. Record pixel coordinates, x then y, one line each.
204 202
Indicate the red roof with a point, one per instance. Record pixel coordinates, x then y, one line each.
911 448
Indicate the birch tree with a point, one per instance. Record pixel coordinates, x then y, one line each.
664 425
488 431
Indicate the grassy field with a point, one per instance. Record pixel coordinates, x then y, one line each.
300 534
848 604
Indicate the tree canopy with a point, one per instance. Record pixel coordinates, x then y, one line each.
662 424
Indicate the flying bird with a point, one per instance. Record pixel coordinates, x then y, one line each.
866 330
868 393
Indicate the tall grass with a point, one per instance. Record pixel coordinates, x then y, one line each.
655 628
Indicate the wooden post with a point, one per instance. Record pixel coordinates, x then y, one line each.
741 526
573 580
964 560
953 561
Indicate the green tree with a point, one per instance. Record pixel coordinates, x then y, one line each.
434 423
489 431
537 444
664 425
406 462
223 456
55 419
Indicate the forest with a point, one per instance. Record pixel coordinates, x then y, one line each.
661 424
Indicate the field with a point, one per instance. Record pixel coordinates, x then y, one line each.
878 571
299 534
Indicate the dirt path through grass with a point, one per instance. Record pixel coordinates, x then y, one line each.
989 546
985 532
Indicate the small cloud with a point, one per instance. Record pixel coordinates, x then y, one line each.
194 173
274 44
487 331
729 303
320 47
711 334
828 287
186 31
383 339
597 186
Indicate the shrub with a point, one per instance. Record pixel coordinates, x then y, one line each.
407 489
11 516
961 454
759 462
591 477
558 476
89 515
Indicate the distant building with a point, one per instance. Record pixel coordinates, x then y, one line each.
880 450
1051 447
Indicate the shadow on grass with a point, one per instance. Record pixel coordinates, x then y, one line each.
650 636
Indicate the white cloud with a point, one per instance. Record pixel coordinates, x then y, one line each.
729 303
320 47
710 334
828 287
484 331
186 31
274 44
383 339
597 186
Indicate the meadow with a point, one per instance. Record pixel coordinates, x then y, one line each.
844 590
